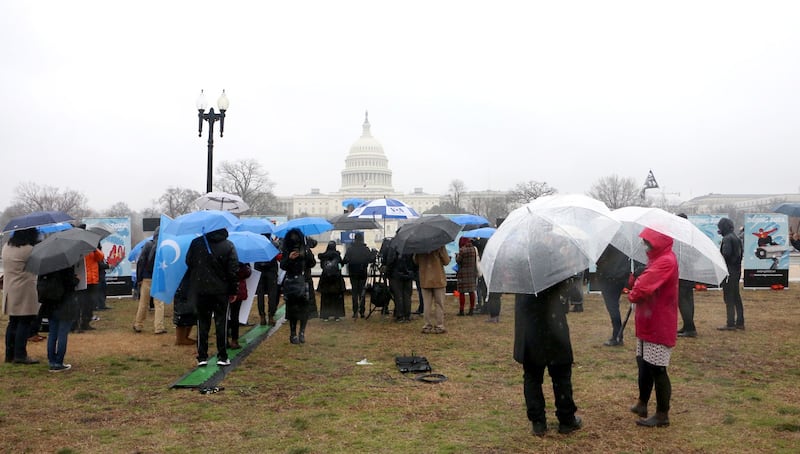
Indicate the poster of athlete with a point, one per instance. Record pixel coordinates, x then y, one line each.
766 250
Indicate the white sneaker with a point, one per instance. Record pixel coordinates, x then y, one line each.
202 363
224 362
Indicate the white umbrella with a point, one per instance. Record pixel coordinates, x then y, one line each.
222 201
545 242
698 257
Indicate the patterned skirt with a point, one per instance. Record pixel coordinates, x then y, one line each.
655 354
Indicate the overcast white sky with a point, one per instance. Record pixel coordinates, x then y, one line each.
99 96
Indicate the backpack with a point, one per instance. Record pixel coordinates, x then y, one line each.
330 268
52 287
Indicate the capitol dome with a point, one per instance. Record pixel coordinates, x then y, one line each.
366 166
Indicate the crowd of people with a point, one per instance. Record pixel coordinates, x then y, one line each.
213 289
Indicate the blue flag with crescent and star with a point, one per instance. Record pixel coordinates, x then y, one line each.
170 262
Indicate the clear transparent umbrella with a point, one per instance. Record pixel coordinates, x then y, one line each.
698 257
545 242
222 201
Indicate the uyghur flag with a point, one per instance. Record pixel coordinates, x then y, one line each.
170 263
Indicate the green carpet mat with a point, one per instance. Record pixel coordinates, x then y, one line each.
209 376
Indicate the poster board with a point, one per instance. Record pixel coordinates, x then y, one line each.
116 247
766 246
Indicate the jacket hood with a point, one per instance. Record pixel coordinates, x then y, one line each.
659 241
217 235
725 226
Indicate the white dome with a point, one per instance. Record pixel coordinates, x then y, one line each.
366 167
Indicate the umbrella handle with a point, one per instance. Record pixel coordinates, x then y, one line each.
618 337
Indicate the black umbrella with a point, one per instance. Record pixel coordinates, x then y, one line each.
425 234
61 250
344 222
789 209
36 219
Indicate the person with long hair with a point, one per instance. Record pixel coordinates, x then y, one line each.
331 284
20 299
294 260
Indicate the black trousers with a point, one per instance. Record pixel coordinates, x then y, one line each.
401 290
208 306
561 376
17 334
267 285
86 302
357 284
733 300
686 305
654 376
493 305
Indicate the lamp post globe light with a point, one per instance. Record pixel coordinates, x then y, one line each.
211 117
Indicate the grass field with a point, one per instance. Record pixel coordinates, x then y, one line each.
732 391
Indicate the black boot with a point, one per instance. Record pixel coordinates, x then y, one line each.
302 338
660 419
640 408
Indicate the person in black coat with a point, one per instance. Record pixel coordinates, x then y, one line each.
401 270
331 284
213 267
267 285
731 250
541 340
296 260
358 258
613 270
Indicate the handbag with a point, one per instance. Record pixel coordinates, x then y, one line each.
295 286
478 262
412 364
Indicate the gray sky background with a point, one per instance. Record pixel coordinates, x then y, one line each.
100 96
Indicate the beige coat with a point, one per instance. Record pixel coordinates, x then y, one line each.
19 286
431 268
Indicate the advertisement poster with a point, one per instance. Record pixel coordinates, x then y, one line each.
116 247
707 223
766 250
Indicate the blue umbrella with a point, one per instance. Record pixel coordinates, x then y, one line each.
483 232
52 228
201 222
355 202
37 219
470 219
134 254
252 247
255 225
789 209
384 209
308 226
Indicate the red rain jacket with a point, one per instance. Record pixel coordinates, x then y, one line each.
656 292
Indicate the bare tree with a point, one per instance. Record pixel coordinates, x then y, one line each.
247 179
529 191
454 193
177 201
445 207
492 208
617 192
30 197
118 210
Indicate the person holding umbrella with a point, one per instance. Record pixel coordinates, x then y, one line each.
20 299
655 293
296 258
57 295
541 340
433 281
213 266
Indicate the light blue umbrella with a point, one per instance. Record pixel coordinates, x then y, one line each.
470 219
134 254
252 247
483 232
308 226
201 222
52 228
255 225
355 202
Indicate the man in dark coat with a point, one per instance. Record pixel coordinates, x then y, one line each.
541 340
731 249
358 258
613 269
212 268
267 285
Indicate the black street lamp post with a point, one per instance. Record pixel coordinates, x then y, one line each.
211 117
